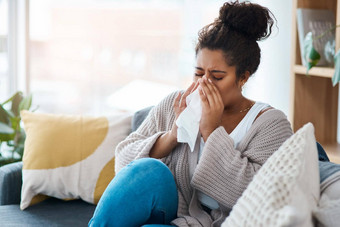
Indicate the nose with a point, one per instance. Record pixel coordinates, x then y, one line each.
207 75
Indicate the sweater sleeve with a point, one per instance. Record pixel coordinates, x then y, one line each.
139 143
224 172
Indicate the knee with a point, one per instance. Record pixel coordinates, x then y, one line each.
149 164
152 162
151 167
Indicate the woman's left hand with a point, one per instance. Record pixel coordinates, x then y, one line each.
212 107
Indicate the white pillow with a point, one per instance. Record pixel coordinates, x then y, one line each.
69 156
285 190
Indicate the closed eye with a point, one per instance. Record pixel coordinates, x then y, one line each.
216 78
213 77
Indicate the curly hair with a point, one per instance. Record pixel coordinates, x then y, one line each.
236 32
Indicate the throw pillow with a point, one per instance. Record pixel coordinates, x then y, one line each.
69 157
285 190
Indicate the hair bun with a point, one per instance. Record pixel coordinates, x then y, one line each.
251 20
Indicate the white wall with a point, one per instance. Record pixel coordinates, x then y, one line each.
270 83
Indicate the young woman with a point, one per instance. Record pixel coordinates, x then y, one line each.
160 181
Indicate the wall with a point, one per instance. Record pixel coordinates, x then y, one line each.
270 83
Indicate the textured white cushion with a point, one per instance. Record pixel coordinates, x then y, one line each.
69 156
285 190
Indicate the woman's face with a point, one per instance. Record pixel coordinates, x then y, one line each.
212 64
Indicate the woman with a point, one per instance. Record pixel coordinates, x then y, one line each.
238 135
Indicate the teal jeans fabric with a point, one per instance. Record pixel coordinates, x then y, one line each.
143 193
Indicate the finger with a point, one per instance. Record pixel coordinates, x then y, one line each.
214 91
207 91
203 97
182 102
195 87
218 94
178 98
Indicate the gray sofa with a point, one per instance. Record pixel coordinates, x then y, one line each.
55 212
51 212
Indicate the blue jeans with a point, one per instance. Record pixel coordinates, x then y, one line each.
144 192
322 154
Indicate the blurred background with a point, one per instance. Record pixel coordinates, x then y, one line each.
98 56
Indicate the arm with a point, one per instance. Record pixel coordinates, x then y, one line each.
157 136
224 172
139 143
168 141
164 145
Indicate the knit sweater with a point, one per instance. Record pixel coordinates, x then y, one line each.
222 173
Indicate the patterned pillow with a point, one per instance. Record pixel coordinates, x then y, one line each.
69 157
285 190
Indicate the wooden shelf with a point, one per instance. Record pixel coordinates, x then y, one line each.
333 152
315 71
313 98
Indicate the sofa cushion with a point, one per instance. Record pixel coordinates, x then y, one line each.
139 117
69 156
285 190
51 212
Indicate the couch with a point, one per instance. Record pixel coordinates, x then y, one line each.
56 212
51 212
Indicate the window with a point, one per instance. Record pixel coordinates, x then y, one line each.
4 78
96 56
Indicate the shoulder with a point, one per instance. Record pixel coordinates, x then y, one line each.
271 112
270 129
269 117
266 108
268 112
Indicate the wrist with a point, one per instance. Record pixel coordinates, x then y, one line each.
205 137
206 134
172 138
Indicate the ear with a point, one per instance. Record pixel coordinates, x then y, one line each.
245 77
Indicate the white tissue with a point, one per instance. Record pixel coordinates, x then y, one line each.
189 120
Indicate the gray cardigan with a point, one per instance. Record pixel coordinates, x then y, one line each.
223 172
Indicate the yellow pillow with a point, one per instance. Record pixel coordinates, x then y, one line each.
69 156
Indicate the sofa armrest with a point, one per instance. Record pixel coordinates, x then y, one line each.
10 183
139 117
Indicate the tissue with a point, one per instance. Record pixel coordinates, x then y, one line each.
188 121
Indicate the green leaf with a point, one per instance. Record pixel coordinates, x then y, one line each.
11 98
10 113
336 76
26 103
311 56
6 132
16 103
4 115
15 123
5 129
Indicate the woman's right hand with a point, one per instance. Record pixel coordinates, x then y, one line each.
180 104
165 143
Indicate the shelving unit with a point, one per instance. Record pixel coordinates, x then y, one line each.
313 98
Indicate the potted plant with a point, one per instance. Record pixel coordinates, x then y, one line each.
312 56
12 135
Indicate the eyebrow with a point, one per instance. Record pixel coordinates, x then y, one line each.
213 71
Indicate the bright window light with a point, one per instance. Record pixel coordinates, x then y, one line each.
135 95
4 82
94 57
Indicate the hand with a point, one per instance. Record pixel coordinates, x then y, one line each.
212 107
180 104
